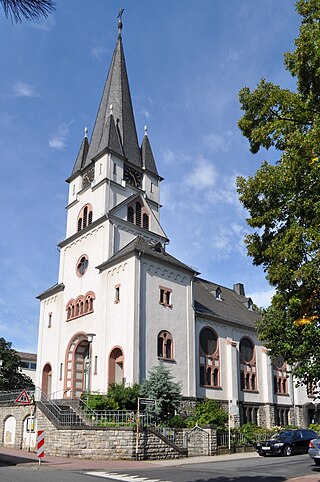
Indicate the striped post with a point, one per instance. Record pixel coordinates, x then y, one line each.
40 445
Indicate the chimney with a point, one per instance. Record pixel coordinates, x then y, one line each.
239 288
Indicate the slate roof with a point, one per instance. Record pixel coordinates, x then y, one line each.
82 156
116 93
148 161
154 250
232 306
51 291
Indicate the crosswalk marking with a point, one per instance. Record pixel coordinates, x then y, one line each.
123 477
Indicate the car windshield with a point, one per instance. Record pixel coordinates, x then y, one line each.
281 435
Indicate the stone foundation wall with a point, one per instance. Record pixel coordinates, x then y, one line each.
91 443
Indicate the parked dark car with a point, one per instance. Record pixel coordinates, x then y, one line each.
286 442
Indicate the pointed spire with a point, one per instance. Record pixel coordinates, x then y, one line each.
82 154
117 93
148 161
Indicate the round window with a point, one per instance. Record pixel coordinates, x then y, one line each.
208 341
82 265
246 350
279 361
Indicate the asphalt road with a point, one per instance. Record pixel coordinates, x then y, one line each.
254 469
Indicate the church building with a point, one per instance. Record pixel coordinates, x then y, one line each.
122 304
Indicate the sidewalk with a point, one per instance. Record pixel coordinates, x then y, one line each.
29 459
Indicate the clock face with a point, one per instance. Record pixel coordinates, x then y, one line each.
132 176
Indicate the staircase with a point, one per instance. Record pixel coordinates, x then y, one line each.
61 413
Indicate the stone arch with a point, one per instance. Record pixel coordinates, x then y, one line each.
9 433
76 366
116 366
46 383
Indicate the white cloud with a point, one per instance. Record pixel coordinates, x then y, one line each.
146 113
262 298
219 142
98 51
58 140
45 25
202 176
22 89
168 157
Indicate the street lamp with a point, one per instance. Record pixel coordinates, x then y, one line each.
90 337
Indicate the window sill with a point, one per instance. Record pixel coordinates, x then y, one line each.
165 305
79 316
282 394
169 360
218 387
247 390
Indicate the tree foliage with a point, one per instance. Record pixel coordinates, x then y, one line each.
28 9
283 199
119 397
160 386
208 412
10 376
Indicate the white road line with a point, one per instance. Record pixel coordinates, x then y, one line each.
122 477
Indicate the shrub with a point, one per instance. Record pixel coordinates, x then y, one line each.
177 422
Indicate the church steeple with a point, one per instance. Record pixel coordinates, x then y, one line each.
147 158
120 129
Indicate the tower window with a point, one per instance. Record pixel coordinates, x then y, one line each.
49 320
117 294
82 265
137 214
165 297
85 217
81 306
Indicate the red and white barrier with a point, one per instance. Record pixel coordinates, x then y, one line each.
40 444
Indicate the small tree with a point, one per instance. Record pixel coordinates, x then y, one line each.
10 376
160 386
126 397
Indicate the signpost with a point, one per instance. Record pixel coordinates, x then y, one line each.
143 401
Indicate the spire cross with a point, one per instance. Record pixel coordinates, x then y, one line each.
111 109
86 132
145 130
120 19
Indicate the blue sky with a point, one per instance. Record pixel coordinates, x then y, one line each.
186 63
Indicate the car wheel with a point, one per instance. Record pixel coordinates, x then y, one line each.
317 461
287 450
262 454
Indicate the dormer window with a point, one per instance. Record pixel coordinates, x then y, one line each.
250 304
217 294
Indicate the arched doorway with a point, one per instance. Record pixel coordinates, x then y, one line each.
77 366
116 366
46 385
9 431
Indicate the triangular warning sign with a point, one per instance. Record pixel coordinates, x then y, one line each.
23 398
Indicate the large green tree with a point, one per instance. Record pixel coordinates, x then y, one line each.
283 199
10 376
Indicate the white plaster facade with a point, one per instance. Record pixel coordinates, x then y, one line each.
136 291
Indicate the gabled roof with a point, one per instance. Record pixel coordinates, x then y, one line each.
148 161
232 306
116 93
154 250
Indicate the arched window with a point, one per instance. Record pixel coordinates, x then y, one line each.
165 345
209 358
81 306
280 376
247 365
84 217
145 221
130 214
137 214
116 371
